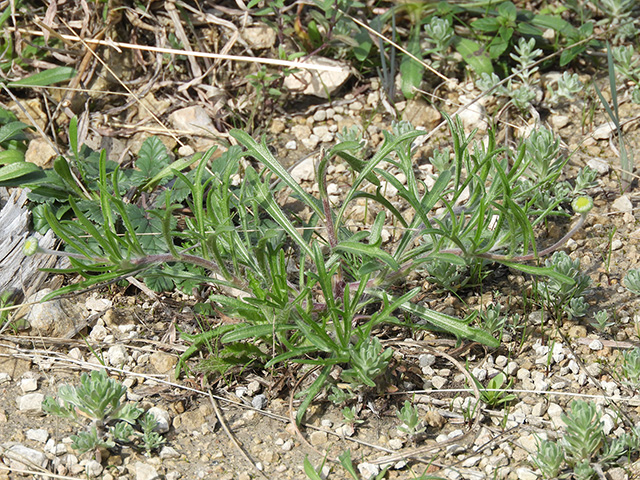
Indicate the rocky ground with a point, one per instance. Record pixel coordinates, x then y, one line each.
240 427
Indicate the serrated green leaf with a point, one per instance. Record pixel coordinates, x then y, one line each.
152 158
45 78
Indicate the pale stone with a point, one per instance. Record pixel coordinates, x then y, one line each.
260 37
28 384
18 453
40 152
55 317
599 165
31 403
318 438
144 471
320 83
420 114
604 131
162 417
559 121
38 435
93 469
168 453
622 204
117 355
163 362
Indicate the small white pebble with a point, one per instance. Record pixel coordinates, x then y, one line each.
596 345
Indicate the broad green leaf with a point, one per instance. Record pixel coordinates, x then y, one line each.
410 70
507 11
13 131
486 24
11 156
363 45
17 170
553 22
500 42
45 78
527 29
474 54
152 158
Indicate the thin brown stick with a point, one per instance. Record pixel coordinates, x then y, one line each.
416 453
231 436
175 51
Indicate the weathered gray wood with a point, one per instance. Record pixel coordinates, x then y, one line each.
18 273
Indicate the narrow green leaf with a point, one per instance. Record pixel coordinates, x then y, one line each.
45 78
244 332
317 386
362 249
310 471
541 271
389 145
347 464
265 197
73 137
169 170
261 153
357 166
299 352
446 323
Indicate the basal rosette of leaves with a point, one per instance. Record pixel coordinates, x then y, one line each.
321 306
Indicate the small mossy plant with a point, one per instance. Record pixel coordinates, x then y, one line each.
583 450
99 398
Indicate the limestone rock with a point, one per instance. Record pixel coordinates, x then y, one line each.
319 83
